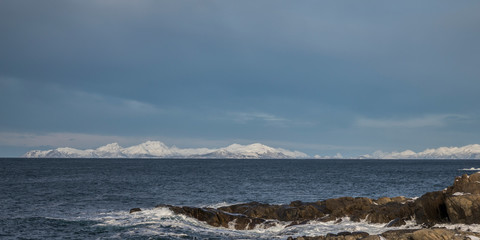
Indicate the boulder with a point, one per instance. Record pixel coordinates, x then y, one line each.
463 209
465 184
389 212
383 200
356 208
434 234
404 234
431 208
400 199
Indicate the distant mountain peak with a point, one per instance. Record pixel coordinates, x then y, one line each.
110 147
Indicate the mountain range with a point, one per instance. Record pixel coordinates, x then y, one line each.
471 151
157 149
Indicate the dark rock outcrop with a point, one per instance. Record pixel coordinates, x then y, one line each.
404 234
465 184
135 210
219 218
459 203
463 209
338 236
430 208
296 211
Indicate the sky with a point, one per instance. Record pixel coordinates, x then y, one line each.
322 77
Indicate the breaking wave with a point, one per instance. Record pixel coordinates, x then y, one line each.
162 222
470 169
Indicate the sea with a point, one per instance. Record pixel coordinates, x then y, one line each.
91 198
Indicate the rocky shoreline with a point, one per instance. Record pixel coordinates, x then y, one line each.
457 204
406 234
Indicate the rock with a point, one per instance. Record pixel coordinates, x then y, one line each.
296 211
463 209
297 223
355 208
338 236
389 212
383 200
465 184
431 208
400 199
397 222
218 218
372 237
135 210
404 234
434 234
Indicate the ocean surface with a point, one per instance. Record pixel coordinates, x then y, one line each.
90 198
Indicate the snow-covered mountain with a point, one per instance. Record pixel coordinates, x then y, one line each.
466 152
157 149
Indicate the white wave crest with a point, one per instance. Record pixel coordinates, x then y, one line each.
470 169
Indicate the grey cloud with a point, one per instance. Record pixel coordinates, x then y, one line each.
173 68
417 122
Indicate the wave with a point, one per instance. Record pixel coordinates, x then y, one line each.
470 169
163 222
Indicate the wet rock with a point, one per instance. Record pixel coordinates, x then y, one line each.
135 210
297 211
297 223
397 222
218 218
338 236
404 234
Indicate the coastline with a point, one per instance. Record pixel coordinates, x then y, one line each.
456 204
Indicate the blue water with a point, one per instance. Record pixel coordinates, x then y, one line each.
90 198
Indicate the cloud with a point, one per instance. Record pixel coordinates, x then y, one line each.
440 120
244 117
113 104
64 109
62 139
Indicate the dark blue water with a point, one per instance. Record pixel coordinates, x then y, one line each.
89 198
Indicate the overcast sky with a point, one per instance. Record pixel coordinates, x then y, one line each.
322 77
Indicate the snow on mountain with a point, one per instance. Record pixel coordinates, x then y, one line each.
157 149
466 152
149 149
255 150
